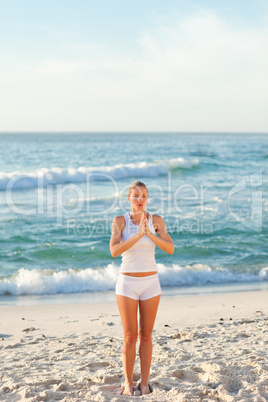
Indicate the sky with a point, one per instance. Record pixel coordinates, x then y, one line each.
143 65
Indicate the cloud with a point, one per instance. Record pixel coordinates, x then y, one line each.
194 72
202 73
60 67
85 47
203 52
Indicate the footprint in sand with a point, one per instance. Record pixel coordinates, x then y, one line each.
244 335
247 321
2 336
185 375
29 329
110 324
94 366
13 346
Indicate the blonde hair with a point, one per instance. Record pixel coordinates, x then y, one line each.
137 184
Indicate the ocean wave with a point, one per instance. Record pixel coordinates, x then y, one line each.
42 282
43 177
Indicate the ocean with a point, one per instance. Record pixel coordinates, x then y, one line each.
59 193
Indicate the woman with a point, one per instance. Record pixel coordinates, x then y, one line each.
134 236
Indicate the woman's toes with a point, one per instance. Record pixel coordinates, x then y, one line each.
127 390
145 389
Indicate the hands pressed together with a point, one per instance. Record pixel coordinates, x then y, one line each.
144 228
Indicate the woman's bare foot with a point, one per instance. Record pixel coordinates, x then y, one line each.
127 389
145 389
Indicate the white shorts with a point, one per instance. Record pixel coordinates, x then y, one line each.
138 288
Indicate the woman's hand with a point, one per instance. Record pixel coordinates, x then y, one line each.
147 230
164 240
144 228
142 225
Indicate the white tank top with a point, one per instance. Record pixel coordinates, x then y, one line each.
141 256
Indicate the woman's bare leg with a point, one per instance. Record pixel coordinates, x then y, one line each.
128 311
148 310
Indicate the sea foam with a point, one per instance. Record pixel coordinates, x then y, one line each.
41 282
56 175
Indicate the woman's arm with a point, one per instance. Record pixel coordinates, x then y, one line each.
164 240
117 246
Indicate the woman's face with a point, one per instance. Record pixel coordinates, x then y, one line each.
138 198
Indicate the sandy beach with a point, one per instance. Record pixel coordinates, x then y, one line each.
206 348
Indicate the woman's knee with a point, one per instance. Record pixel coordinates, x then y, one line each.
130 338
145 336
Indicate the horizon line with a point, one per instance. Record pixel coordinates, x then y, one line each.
133 132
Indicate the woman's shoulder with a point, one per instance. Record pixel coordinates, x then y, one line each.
119 218
119 222
157 218
157 221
